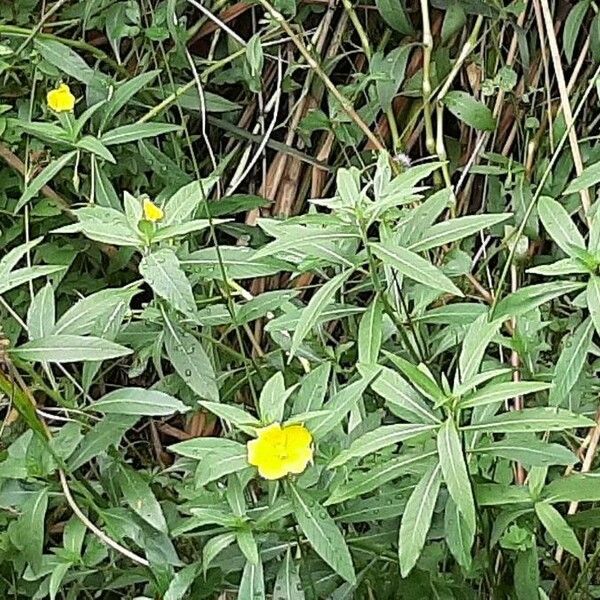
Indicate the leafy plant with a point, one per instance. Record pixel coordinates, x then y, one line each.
298 301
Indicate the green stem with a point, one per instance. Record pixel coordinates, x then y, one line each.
389 309
426 85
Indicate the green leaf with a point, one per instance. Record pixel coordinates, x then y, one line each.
181 583
413 266
185 201
198 447
454 469
246 541
402 399
573 25
163 274
26 274
66 60
272 399
530 297
299 240
219 464
103 224
41 313
28 535
172 231
238 263
83 316
570 363
68 348
339 406
45 176
56 578
459 313
104 434
106 196
589 176
288 585
394 14
252 584
317 303
459 536
558 224
465 108
389 71
322 533
492 494
383 506
367 481
527 574
456 229
135 132
497 392
420 378
454 20
312 390
190 360
124 92
95 146
529 451
478 336
379 438
10 260
369 334
416 520
558 528
214 546
565 266
574 488
138 401
140 498
464 388
234 415
531 420
593 300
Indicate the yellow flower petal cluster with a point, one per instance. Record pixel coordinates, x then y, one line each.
279 450
152 212
61 99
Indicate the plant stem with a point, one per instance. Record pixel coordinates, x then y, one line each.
313 64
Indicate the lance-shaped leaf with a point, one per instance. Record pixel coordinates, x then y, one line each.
416 520
454 469
322 533
310 314
414 267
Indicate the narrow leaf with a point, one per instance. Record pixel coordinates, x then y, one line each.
322 533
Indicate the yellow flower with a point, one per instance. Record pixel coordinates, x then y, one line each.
61 99
152 212
279 450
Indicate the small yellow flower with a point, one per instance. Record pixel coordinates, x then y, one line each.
152 212
279 450
61 99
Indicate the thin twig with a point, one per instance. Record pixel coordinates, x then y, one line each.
564 101
344 102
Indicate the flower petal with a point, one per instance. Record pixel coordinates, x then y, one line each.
297 462
273 468
297 437
152 212
61 99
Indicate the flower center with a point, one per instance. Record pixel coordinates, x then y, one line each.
280 450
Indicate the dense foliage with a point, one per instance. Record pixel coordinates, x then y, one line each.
299 299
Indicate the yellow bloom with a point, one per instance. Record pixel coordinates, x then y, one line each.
61 99
152 212
279 450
